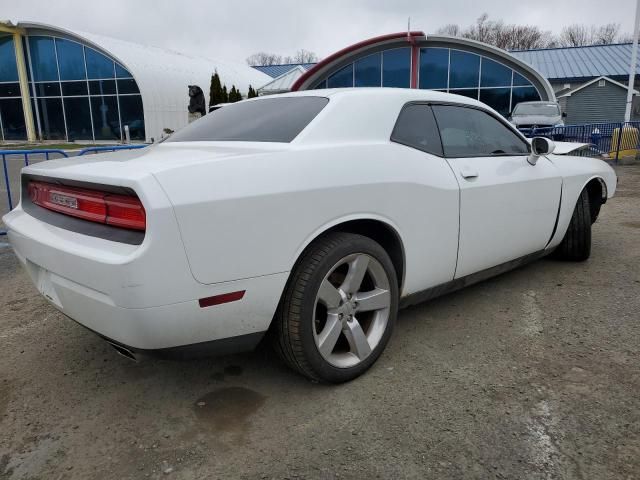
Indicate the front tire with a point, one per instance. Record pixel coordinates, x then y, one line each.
338 309
576 244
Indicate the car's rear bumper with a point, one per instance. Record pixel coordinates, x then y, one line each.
141 296
222 346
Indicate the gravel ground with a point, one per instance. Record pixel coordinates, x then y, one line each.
534 374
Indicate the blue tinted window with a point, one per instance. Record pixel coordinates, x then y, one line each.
43 59
523 94
497 98
342 78
48 89
74 88
132 114
76 111
396 68
10 89
494 74
464 70
368 71
520 81
12 116
70 60
98 66
8 69
322 84
467 92
122 72
51 118
102 87
127 86
434 67
106 125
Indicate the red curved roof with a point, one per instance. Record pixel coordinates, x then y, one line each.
410 36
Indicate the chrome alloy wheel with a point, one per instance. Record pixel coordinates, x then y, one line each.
351 310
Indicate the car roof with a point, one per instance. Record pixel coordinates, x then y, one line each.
365 114
401 94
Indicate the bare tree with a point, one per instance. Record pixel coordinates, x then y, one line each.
578 35
625 38
523 37
506 36
264 58
450 29
482 31
304 56
607 34
575 36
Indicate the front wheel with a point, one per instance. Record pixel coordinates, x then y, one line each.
339 308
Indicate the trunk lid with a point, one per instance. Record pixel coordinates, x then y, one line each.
127 166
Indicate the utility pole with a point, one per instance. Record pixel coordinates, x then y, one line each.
634 59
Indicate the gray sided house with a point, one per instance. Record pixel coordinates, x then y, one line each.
589 82
599 100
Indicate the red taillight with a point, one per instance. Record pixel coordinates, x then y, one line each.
125 212
93 205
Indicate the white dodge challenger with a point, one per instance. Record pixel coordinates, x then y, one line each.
309 216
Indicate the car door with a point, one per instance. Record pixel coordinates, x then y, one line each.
431 231
508 207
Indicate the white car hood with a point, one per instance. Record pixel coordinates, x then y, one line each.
565 148
536 120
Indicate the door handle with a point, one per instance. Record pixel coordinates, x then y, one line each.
468 173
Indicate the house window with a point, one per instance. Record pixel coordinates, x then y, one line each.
601 82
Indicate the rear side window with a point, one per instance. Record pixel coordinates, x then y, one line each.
469 132
268 120
416 127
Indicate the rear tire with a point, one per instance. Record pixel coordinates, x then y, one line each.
338 309
576 244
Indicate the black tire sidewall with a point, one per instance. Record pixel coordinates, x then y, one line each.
576 244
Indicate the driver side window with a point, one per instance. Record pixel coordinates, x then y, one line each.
469 132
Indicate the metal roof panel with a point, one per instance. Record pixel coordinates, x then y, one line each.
580 62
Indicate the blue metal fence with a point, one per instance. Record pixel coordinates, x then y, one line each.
26 156
609 139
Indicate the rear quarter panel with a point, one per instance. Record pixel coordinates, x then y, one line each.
251 216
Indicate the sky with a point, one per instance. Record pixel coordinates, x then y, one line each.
235 29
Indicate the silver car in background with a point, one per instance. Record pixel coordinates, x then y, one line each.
537 114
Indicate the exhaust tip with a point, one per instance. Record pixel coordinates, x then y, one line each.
125 352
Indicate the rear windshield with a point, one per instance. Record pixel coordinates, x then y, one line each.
264 120
547 109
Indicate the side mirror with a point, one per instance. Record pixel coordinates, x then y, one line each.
564 114
540 146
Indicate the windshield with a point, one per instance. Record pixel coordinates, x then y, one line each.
546 109
268 120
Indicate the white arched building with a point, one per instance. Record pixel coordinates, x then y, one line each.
87 87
